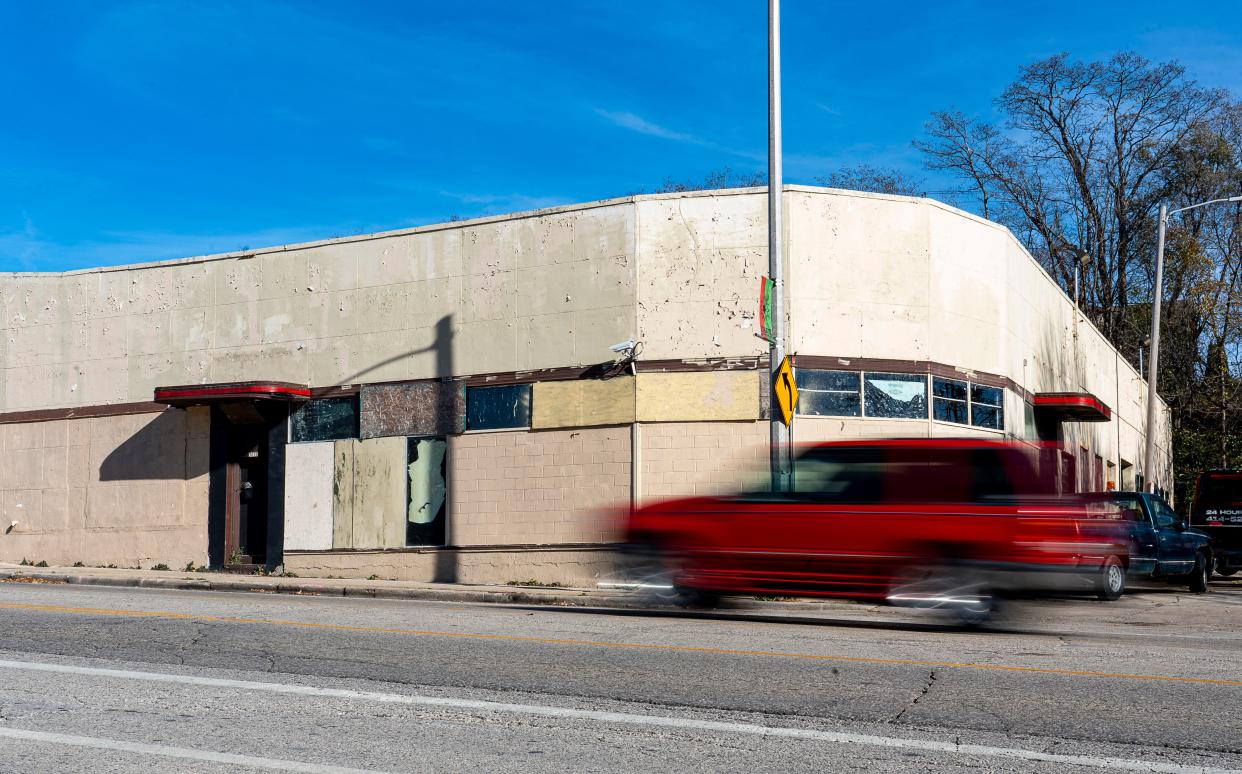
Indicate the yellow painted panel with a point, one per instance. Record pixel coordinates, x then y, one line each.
698 396
582 403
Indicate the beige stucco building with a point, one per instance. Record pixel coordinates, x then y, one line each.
442 402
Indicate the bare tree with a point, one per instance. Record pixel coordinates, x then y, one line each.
1083 158
864 177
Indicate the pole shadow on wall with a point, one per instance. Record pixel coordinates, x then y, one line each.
426 413
159 451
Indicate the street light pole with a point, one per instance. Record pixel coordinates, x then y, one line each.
1149 454
779 443
1149 451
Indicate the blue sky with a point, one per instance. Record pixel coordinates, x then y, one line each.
135 131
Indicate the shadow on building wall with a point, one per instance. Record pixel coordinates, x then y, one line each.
446 419
160 450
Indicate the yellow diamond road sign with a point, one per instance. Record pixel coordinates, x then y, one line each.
785 388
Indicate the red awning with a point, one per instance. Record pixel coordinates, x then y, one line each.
205 394
1072 407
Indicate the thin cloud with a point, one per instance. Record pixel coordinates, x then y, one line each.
489 203
636 123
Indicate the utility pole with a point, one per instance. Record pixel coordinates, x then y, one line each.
1149 455
779 444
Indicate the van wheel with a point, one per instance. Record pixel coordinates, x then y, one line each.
1224 569
1202 573
1110 583
656 570
948 588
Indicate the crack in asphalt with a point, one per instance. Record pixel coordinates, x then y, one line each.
931 679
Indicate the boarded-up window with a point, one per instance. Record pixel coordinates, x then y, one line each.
325 419
426 512
498 408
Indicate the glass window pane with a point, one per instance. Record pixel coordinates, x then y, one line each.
987 416
496 408
841 475
829 404
325 419
951 411
948 388
895 395
991 396
827 380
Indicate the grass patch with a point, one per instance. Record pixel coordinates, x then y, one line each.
533 582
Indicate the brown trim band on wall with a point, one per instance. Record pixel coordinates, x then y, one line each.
474 548
911 367
81 412
751 363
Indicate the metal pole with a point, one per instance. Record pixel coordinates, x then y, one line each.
776 352
1153 358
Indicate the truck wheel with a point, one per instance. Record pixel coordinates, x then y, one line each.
1224 569
1110 582
1202 573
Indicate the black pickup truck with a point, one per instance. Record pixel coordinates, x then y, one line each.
1217 511
1162 546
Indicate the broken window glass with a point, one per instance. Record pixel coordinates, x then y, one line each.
325 419
901 396
498 408
426 468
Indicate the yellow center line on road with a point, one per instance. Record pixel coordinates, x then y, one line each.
616 645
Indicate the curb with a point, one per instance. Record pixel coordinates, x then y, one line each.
574 598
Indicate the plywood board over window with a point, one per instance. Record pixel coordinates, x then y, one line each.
427 408
703 396
582 403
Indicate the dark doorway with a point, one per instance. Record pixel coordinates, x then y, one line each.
247 488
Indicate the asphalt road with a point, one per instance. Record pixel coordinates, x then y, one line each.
107 679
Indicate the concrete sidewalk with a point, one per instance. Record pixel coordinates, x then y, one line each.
338 587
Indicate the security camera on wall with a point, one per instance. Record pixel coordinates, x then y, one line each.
624 346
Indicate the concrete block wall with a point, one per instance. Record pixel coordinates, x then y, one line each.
128 490
688 459
541 487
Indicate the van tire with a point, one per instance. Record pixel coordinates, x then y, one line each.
657 569
1225 569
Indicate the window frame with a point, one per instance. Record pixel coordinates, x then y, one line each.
999 406
965 401
357 426
529 389
856 392
926 393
